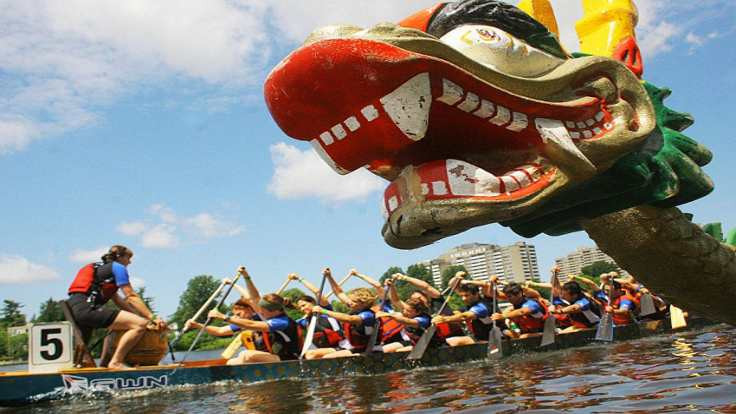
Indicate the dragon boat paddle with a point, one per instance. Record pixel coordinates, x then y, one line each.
235 344
677 318
374 333
605 325
313 320
209 320
340 283
197 315
495 337
647 305
548 335
417 352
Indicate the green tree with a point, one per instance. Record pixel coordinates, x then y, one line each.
388 273
449 273
198 290
11 314
3 343
50 312
18 346
596 269
340 307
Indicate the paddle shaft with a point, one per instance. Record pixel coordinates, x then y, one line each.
374 334
283 286
195 317
313 320
207 322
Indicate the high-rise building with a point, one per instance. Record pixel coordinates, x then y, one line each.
514 263
574 262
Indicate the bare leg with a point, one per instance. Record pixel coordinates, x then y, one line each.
460 340
134 327
318 353
251 356
339 354
392 347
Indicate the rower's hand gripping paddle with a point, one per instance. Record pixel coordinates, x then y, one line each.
377 326
418 350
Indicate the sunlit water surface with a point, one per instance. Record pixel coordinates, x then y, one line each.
694 371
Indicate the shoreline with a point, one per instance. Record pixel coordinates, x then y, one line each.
13 362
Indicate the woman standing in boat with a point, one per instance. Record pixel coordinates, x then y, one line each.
357 325
97 283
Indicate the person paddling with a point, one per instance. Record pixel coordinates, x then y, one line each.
415 319
528 314
584 312
95 285
357 326
477 315
280 333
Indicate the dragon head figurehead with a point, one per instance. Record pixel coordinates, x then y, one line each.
475 114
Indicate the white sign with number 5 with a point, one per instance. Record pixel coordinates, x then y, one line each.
50 347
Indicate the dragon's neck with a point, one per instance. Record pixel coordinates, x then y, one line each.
672 256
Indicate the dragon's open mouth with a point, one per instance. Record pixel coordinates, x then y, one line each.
462 143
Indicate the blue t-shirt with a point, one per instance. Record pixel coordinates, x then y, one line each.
279 323
625 304
584 304
480 310
424 321
534 306
386 306
236 328
601 295
121 274
368 318
557 301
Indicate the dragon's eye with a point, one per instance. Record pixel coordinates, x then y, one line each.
500 51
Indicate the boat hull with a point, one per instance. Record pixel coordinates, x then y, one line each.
24 388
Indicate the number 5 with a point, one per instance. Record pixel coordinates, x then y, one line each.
55 342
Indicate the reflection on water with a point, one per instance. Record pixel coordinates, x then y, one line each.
685 372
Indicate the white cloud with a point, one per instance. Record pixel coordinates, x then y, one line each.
165 213
300 174
87 256
132 228
209 226
18 270
160 236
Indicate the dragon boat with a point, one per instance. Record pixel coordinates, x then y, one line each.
22 388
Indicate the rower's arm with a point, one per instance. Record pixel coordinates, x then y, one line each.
253 295
515 313
587 282
531 293
243 293
343 317
421 285
213 330
337 289
457 317
249 324
369 280
315 291
396 302
135 302
574 308
403 319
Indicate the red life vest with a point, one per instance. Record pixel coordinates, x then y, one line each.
97 281
623 318
357 335
325 334
528 323
390 330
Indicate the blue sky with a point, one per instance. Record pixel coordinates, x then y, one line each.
143 123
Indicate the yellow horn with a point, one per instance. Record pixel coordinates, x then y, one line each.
541 11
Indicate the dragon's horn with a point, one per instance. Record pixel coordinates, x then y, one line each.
541 11
608 29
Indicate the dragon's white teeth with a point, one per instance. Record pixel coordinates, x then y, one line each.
338 131
487 108
470 103
408 106
503 116
352 123
519 122
326 138
599 116
587 134
452 93
554 133
581 125
369 113
575 135
570 124
590 122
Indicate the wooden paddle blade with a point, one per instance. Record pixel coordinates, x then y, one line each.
548 336
309 337
647 305
418 350
677 317
232 348
605 329
495 343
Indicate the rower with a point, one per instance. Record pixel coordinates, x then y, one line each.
529 314
622 305
477 315
97 283
432 298
357 325
327 331
280 333
415 319
597 291
584 312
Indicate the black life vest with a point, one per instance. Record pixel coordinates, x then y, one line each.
588 318
284 343
327 333
97 281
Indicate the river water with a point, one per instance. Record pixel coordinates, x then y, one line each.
686 372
